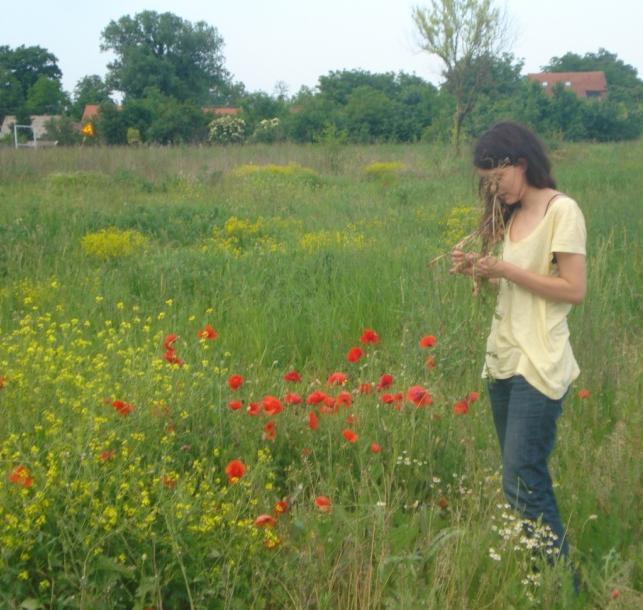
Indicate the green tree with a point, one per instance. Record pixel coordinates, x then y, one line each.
27 64
617 73
46 96
464 34
90 89
370 115
181 59
11 96
259 106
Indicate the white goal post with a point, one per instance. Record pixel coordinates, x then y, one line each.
28 144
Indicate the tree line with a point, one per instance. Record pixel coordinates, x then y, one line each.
170 74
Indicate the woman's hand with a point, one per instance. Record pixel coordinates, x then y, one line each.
462 262
490 267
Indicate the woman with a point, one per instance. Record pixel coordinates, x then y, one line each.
540 274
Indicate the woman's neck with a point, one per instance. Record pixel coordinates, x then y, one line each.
533 199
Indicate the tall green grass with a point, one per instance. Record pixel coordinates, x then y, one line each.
332 254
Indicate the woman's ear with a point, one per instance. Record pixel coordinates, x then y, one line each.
522 164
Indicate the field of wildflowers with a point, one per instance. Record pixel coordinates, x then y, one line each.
228 379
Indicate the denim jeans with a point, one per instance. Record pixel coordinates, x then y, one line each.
525 421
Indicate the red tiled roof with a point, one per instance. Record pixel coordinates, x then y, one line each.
579 82
90 112
221 110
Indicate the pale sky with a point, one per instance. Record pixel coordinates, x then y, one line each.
296 41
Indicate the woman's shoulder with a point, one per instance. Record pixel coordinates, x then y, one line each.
564 205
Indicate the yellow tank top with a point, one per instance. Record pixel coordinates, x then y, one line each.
529 334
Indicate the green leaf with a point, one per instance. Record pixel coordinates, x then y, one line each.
31 604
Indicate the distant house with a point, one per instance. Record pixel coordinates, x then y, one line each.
221 110
38 124
583 84
89 113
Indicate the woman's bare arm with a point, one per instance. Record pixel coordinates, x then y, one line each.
569 287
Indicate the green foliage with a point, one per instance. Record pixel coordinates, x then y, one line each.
227 130
64 131
181 59
88 90
268 131
29 82
46 96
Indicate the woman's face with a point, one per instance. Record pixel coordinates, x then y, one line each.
507 183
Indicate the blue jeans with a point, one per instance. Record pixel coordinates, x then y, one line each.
525 421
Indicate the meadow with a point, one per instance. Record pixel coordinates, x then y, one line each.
230 379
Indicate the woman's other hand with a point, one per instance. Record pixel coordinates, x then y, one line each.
490 267
462 262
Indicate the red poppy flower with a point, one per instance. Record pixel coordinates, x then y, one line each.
351 419
583 393
254 408
265 521
235 405
105 456
350 436
461 407
386 381
207 332
172 358
354 354
270 431
428 341
272 405
430 362
292 376
419 396
365 388
323 503
388 398
168 342
292 399
473 396
20 476
122 408
235 382
168 482
3 381
281 507
313 422
344 398
375 448
336 379
316 397
369 336
235 470
443 503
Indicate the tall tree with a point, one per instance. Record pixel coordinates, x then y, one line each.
90 89
46 96
465 35
623 81
162 51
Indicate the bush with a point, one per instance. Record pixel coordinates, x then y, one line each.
63 130
268 131
227 130
113 243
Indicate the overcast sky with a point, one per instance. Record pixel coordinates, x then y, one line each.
296 41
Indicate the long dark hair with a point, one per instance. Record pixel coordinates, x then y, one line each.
508 143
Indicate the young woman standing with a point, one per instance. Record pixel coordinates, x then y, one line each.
539 275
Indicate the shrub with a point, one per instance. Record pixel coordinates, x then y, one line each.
268 131
227 130
113 243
